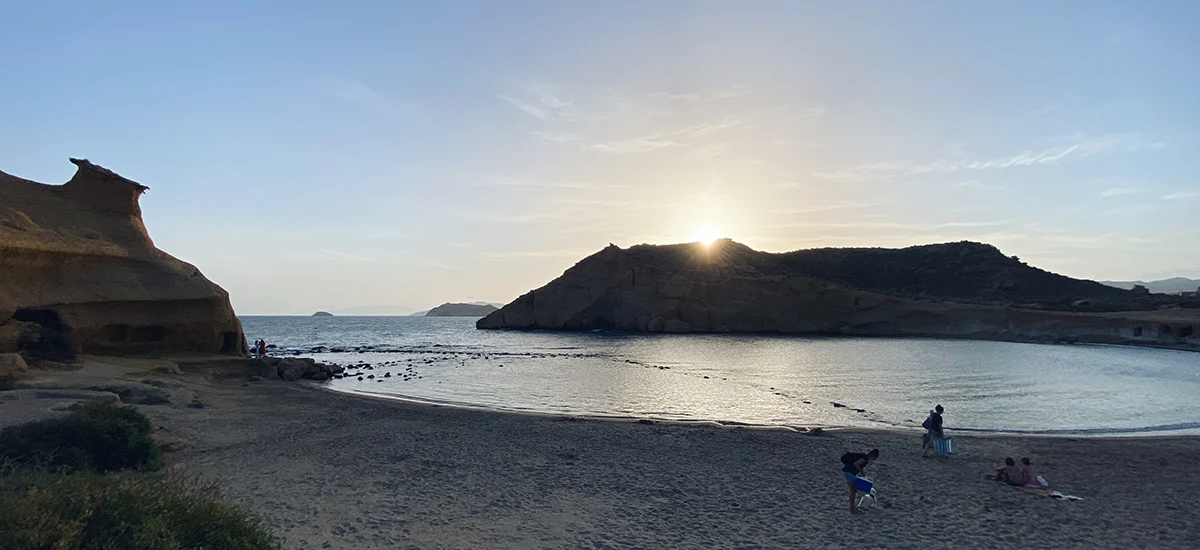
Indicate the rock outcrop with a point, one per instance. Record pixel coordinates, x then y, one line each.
291 369
461 310
12 368
322 314
77 261
961 290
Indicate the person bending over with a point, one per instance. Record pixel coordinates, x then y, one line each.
852 467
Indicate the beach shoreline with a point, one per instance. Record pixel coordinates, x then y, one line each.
1098 433
330 469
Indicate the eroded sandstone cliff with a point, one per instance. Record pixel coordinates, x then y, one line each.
75 259
938 290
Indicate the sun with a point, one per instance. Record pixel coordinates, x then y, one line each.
706 235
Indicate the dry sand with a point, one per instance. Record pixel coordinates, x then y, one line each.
331 470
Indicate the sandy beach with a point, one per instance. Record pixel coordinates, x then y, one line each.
332 470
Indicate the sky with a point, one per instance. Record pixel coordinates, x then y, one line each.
345 156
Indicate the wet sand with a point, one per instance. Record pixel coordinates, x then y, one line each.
332 470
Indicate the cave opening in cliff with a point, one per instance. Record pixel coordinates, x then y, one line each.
115 333
230 343
149 333
47 318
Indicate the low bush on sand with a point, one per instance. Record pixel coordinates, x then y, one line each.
85 510
98 437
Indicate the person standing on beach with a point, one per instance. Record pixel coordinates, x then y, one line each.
262 348
934 432
852 467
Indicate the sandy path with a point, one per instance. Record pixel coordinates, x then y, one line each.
337 471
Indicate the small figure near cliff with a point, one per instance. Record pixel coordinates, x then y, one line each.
262 348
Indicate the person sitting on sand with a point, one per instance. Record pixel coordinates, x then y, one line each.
1029 472
852 467
1010 473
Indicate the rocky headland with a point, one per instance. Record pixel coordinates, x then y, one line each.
80 272
957 290
461 310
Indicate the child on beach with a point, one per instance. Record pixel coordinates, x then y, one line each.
852 466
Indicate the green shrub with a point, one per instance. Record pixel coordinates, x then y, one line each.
99 437
122 511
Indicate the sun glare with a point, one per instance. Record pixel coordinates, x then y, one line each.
706 235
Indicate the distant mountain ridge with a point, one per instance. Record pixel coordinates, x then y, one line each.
960 290
1174 285
461 310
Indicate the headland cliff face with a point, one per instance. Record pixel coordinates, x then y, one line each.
959 290
76 259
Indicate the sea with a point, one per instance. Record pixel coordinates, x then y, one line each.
757 380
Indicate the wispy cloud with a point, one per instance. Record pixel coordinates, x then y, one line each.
867 224
547 96
1181 195
675 97
546 103
1119 191
335 255
501 181
814 208
558 137
706 128
527 108
512 218
1048 156
972 184
446 267
708 151
635 145
668 139
360 94
568 253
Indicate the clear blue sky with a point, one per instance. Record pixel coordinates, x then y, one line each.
329 155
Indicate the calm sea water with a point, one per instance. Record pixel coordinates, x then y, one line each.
756 379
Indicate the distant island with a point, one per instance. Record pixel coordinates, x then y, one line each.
461 310
322 314
954 290
1174 285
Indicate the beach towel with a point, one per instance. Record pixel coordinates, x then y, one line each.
1046 492
1041 487
943 445
1037 483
